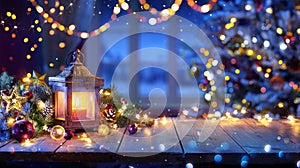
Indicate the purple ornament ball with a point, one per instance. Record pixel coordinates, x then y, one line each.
132 128
68 134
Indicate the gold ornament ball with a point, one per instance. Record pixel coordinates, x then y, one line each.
103 130
57 132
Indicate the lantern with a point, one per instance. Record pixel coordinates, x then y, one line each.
75 96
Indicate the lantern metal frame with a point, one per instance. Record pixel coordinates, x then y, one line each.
76 80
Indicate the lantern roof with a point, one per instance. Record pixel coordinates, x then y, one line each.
77 73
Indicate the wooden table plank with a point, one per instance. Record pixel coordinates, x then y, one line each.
291 130
273 133
253 137
93 142
40 149
93 148
160 138
39 144
199 149
175 141
3 143
260 142
217 142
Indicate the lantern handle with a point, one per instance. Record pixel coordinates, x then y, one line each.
73 56
70 59
79 57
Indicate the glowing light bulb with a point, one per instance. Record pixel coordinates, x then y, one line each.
152 21
116 10
254 40
164 120
259 117
165 12
291 118
233 20
125 6
222 37
84 35
72 27
13 17
27 143
248 7
39 9
84 135
279 30
269 10
283 46
280 104
267 148
205 8
266 43
175 7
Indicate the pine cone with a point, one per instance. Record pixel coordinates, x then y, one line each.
109 113
48 110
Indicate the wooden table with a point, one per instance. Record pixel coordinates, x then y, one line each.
173 142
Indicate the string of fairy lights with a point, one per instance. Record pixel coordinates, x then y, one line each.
158 17
49 15
161 16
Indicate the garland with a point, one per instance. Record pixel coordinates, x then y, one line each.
119 113
29 99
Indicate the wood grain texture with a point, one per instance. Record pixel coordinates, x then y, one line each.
160 138
93 143
39 144
3 143
291 130
274 134
217 142
167 142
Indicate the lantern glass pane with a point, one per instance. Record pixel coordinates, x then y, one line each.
83 106
60 105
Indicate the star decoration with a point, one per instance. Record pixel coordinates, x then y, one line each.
38 79
14 101
45 127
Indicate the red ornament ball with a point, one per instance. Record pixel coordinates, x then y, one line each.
28 94
68 134
5 92
132 128
22 130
